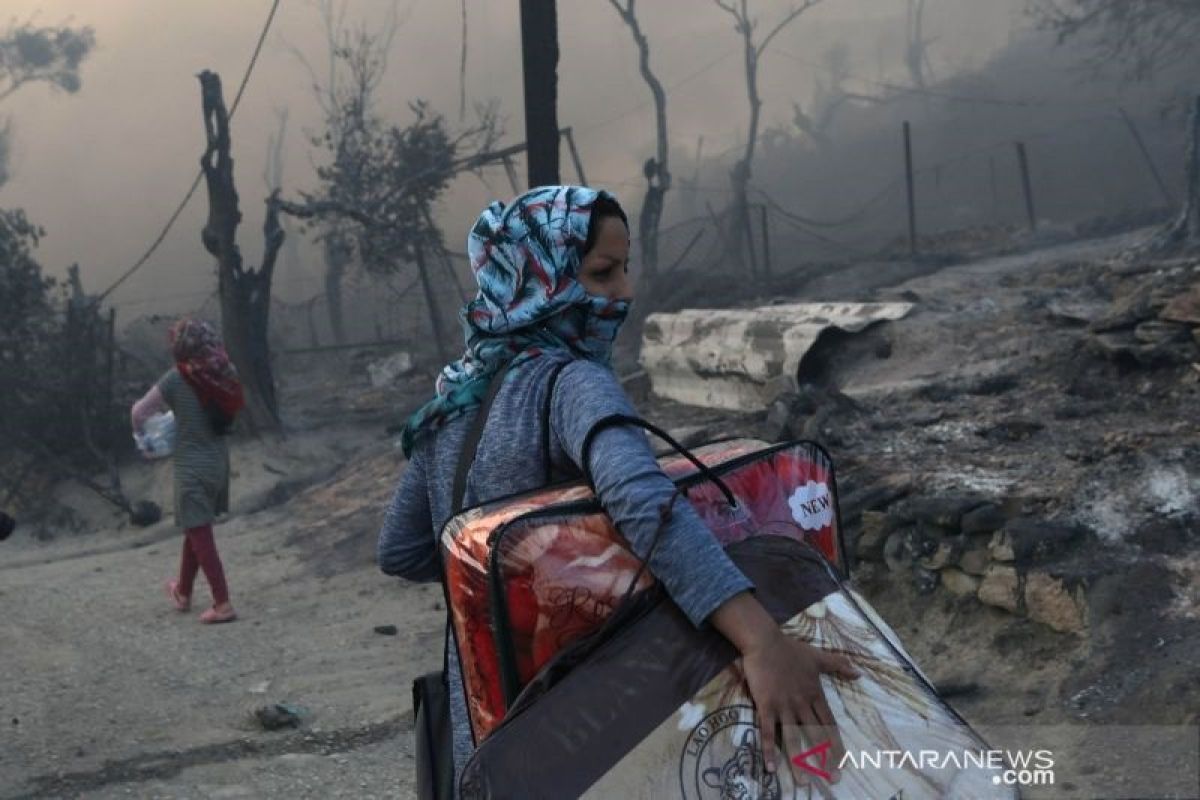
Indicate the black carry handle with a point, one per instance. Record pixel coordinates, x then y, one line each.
471 444
625 419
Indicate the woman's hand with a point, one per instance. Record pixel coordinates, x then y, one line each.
783 675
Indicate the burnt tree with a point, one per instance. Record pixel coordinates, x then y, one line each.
245 293
356 63
752 51
539 59
1147 39
658 176
916 49
1185 230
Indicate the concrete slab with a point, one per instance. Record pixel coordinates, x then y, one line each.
739 359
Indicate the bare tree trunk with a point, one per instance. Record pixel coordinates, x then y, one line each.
740 176
1189 218
539 50
245 293
739 221
435 318
337 258
1184 232
916 56
658 177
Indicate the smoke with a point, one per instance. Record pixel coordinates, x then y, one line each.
101 170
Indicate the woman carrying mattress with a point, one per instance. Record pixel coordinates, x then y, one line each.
554 286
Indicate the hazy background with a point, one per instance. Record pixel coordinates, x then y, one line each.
101 170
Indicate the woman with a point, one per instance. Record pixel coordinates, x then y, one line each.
204 392
554 285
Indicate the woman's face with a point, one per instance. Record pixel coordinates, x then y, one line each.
605 269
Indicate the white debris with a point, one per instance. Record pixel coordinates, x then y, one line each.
386 371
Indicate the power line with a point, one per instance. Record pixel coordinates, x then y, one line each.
200 175
673 87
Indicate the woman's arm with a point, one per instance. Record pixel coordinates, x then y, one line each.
782 673
406 543
151 403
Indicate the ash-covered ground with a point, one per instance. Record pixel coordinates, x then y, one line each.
1018 471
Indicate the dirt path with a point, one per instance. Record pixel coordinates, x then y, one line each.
108 692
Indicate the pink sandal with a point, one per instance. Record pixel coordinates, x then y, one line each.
212 616
180 602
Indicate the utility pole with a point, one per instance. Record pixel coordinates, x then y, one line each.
539 58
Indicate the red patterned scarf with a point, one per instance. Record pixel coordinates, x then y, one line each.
205 366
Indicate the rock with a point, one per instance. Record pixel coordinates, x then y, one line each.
1128 310
925 580
260 687
1033 541
975 561
1000 588
1050 602
942 557
385 371
779 417
923 541
1123 348
942 511
875 527
1000 548
1183 307
278 716
992 385
986 518
1010 430
1158 332
876 496
386 630
895 551
949 689
145 513
959 583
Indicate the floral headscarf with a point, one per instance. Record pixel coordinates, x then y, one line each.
201 359
526 260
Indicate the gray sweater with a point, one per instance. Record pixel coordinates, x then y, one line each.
689 563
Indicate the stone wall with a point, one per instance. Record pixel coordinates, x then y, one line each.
979 549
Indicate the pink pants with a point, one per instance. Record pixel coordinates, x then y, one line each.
200 552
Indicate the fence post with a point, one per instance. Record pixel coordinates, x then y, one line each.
1137 138
995 187
766 237
908 175
1023 161
110 380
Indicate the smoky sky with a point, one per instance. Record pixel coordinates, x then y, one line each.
101 170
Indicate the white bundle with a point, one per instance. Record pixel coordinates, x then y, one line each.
157 439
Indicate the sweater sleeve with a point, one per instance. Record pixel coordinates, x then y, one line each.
407 547
688 560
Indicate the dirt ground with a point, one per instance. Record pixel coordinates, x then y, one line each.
1000 383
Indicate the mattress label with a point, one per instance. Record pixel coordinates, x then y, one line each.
812 506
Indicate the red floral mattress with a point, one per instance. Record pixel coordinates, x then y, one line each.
528 575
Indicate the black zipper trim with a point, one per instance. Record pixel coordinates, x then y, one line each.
510 683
